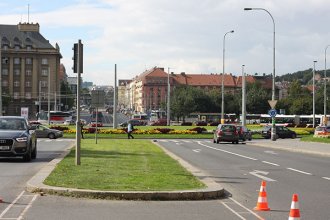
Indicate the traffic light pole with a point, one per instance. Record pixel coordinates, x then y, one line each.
77 68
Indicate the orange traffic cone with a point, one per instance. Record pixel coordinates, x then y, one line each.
294 211
262 204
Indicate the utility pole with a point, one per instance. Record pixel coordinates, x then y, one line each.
115 100
1 76
48 95
243 97
78 68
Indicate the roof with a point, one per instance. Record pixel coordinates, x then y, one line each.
12 35
248 79
154 72
204 79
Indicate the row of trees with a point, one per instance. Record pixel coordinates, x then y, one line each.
188 99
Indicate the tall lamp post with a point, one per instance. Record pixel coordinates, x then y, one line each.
314 93
243 98
222 80
325 120
168 98
273 133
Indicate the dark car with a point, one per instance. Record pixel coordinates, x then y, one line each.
17 138
44 132
244 133
227 133
281 132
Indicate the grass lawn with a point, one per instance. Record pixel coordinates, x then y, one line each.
122 165
310 138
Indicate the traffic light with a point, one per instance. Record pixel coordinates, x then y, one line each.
77 57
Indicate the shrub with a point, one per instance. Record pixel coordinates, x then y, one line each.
200 123
61 128
186 124
214 123
163 130
199 130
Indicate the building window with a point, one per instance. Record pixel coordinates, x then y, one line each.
28 95
5 72
44 72
16 95
17 47
28 47
43 83
27 84
4 83
17 60
44 61
28 72
17 72
43 95
16 83
5 47
28 61
5 60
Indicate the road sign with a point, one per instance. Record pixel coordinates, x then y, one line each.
272 103
272 113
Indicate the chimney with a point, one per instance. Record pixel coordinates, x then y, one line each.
28 27
183 73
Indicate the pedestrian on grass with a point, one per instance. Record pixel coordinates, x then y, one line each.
81 129
130 129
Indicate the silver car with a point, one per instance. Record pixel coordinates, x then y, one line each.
17 138
44 132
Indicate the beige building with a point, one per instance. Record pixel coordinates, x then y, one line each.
30 68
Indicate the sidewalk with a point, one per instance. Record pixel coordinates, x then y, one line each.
294 145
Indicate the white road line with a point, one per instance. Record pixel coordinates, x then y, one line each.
299 171
27 207
175 141
233 211
186 141
327 178
274 164
237 213
228 152
11 204
197 150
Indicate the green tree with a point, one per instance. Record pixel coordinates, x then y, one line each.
67 97
182 102
257 99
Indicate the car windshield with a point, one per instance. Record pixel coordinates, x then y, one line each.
228 128
12 124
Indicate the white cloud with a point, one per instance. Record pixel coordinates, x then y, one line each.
186 35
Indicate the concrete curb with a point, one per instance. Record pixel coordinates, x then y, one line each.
212 191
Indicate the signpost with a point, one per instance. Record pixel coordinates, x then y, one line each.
273 113
97 102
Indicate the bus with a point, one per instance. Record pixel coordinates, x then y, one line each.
156 115
143 118
285 120
56 117
307 120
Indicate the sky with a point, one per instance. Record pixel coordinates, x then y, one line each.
185 36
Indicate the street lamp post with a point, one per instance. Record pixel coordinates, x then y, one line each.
314 93
325 120
222 79
243 98
273 133
168 98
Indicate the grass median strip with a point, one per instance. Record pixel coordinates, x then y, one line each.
122 165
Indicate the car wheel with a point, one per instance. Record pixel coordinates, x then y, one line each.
28 156
236 142
214 140
51 136
293 136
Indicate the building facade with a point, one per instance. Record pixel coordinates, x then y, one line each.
30 68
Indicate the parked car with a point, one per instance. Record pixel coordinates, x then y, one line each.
94 124
244 133
17 138
70 122
322 130
227 133
45 132
281 132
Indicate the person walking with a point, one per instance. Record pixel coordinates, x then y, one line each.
81 129
130 129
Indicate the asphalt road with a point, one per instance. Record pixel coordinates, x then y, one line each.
240 169
14 173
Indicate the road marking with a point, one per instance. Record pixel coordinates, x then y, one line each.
228 152
11 204
327 178
186 141
236 213
27 207
258 172
271 152
274 164
299 171
197 150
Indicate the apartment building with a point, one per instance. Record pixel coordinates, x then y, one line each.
30 68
